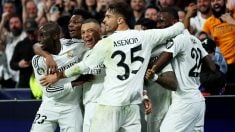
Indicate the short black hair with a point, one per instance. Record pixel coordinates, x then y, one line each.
125 11
90 20
85 14
146 22
171 11
152 7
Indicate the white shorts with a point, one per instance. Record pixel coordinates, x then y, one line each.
116 119
69 119
89 112
161 101
184 117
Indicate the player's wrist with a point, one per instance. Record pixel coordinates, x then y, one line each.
155 78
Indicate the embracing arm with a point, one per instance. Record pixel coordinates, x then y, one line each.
168 80
160 36
162 61
50 62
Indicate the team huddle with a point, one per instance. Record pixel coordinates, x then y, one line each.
109 76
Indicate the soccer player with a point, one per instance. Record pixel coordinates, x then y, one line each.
187 110
159 89
125 54
75 44
60 102
91 34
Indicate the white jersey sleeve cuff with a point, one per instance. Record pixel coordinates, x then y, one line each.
68 86
76 69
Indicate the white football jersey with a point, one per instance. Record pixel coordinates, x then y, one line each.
188 53
125 55
62 91
92 90
160 96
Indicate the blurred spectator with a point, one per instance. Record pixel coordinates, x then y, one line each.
181 13
210 87
144 24
2 56
51 10
66 6
223 33
9 6
165 3
230 4
30 10
43 20
151 12
202 35
16 34
23 53
210 46
9 9
196 15
138 7
91 6
63 22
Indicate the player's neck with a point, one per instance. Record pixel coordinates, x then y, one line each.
122 27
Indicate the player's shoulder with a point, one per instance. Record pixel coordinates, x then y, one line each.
36 57
37 60
105 40
181 38
68 42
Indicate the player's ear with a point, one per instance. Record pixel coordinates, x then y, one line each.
120 20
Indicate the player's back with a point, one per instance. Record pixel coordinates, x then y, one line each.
188 54
126 62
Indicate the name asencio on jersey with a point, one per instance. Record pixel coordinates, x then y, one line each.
125 42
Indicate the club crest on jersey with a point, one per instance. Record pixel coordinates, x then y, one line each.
70 54
40 71
169 43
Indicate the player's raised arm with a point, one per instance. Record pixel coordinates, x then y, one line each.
160 36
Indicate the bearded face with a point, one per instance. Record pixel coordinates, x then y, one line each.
204 6
218 8
15 26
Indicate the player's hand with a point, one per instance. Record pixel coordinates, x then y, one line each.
191 10
51 65
149 74
5 17
23 63
227 18
49 79
148 106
